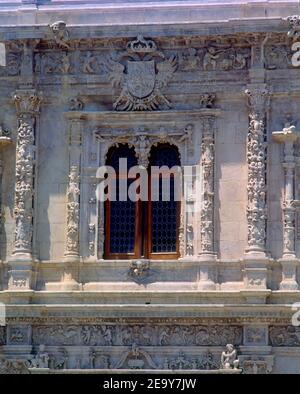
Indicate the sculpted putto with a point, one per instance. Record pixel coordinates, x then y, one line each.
228 358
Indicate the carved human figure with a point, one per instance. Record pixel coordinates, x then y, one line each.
65 64
228 358
187 134
210 59
89 63
41 359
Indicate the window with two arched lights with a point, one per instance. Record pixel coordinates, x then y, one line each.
146 228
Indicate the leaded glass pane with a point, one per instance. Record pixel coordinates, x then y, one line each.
164 213
122 213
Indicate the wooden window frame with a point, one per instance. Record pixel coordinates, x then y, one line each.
143 236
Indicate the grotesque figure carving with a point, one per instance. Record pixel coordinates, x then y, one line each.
60 33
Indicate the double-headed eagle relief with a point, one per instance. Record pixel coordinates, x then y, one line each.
141 72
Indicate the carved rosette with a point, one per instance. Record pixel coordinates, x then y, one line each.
207 209
73 193
256 159
27 104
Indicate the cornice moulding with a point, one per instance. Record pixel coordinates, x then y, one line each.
141 116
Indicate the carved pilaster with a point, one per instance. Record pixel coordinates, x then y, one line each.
256 159
207 164
288 136
255 260
207 253
27 105
72 250
73 193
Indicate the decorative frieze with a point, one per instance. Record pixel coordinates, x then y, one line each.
141 335
206 361
284 335
13 366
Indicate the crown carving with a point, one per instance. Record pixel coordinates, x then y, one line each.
141 45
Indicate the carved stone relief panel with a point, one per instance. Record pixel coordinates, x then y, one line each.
13 367
284 336
142 335
255 335
18 335
257 365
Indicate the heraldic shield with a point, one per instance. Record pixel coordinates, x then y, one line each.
140 78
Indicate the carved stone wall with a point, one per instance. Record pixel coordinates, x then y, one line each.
215 90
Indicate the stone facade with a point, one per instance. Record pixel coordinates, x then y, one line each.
223 91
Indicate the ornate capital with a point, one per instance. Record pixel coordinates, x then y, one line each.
258 98
27 101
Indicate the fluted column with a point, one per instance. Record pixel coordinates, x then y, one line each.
207 255
288 136
255 260
27 105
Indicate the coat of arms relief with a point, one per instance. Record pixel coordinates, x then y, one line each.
141 72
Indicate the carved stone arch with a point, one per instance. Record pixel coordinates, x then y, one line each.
171 141
115 144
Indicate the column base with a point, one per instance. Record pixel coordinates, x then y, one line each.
255 270
21 272
70 274
207 272
289 273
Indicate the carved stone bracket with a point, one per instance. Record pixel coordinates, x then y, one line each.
288 136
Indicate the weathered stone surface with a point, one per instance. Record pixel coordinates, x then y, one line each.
216 81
